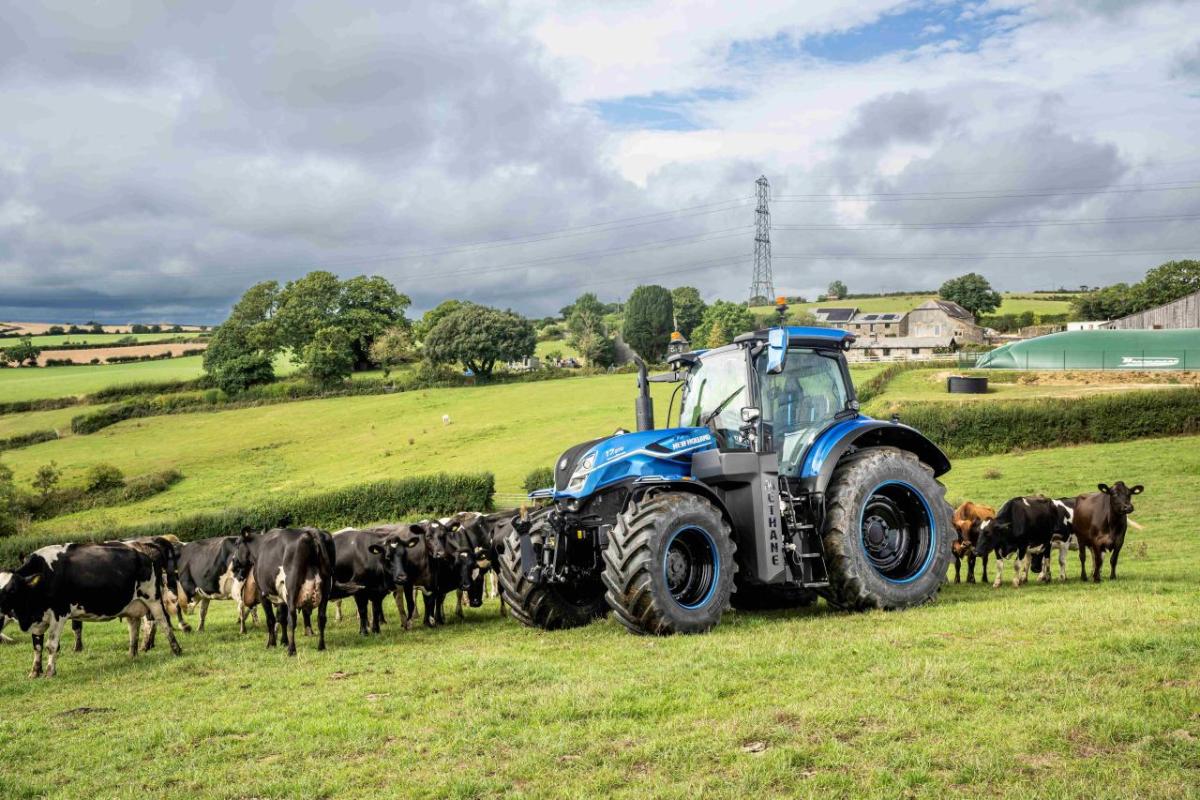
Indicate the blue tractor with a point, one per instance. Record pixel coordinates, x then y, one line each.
772 490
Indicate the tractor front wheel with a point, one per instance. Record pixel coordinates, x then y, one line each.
887 531
547 606
669 565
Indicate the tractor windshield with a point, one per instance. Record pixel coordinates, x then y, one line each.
800 402
714 395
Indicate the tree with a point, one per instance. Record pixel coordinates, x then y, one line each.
648 322
46 478
23 352
837 290
435 315
1169 282
329 357
479 336
734 319
716 335
589 335
102 478
689 309
366 308
971 291
55 330
392 348
241 351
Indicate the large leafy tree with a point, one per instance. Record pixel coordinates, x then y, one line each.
724 319
837 290
689 308
434 315
392 348
479 336
590 336
329 356
241 351
973 292
367 307
649 322
1170 281
24 351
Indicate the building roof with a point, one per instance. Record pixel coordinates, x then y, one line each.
877 316
832 314
948 306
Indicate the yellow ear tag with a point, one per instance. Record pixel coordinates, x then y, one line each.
34 581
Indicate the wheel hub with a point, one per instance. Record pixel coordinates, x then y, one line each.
896 532
690 567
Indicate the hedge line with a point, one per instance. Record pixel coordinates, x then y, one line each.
405 498
974 429
110 345
44 404
871 388
26 439
78 498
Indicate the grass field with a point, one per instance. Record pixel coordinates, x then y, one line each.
50 342
1014 303
1067 690
31 384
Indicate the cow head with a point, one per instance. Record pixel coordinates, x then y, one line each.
243 554
990 532
472 565
434 533
21 591
1121 496
391 552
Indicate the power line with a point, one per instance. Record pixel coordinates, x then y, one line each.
983 194
1015 223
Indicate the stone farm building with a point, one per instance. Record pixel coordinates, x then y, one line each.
936 326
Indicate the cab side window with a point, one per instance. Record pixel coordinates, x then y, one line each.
717 388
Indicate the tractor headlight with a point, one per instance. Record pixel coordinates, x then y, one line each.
579 476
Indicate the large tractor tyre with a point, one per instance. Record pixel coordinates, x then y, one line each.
752 597
669 565
887 531
551 606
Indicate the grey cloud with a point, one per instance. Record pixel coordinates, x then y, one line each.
901 117
1187 63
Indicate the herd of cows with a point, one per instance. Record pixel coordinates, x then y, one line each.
1027 529
292 572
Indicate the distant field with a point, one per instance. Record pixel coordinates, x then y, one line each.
1014 303
39 328
93 338
1067 690
560 345
29 383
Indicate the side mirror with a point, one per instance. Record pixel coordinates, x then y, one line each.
750 414
777 341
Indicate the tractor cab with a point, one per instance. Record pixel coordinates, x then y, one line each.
770 392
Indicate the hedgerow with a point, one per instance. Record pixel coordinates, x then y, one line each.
538 478
393 500
973 429
27 439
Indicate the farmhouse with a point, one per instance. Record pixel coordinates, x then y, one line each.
1181 313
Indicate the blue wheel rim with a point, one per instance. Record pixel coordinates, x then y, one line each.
691 567
897 531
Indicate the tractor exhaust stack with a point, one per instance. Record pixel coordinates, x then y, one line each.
645 403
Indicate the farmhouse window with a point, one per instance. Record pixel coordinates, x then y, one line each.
887 351
916 351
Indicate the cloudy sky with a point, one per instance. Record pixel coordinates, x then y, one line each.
157 159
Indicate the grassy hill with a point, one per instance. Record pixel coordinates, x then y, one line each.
1014 303
1075 689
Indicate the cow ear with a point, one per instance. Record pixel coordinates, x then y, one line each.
1137 489
1103 487
376 549
412 542
416 530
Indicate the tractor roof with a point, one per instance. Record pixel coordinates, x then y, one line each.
806 337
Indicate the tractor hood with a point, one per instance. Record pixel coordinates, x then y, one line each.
665 453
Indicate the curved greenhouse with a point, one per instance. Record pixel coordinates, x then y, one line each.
1102 349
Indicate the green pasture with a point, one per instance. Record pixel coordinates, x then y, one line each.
47 342
1060 691
33 383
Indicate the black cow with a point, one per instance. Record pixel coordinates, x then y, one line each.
1101 522
292 569
92 582
164 551
471 554
1021 526
421 565
370 565
206 574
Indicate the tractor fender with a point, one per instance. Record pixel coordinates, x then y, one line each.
828 450
642 485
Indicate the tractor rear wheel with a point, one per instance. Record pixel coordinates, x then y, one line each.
547 606
669 565
887 531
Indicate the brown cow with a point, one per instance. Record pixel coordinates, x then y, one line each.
967 518
1101 519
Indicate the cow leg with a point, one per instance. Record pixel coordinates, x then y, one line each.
184 600
1083 563
204 612
999 573
957 569
269 613
337 611
1097 562
293 616
439 607
1062 561
56 628
163 620
286 633
135 632
308 631
148 627
77 629
458 608
376 613
971 569
38 643
321 619
1112 563
985 563
427 602
360 600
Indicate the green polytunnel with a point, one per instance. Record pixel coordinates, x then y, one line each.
1100 349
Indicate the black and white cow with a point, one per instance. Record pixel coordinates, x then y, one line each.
1022 526
292 569
206 574
471 555
89 582
1061 541
164 551
421 565
370 565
